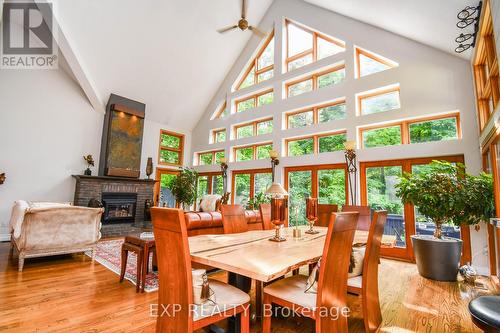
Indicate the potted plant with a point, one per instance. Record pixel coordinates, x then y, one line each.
259 198
184 187
444 193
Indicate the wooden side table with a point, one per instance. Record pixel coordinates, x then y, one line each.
148 246
126 248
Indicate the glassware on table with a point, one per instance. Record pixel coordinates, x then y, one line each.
278 217
311 214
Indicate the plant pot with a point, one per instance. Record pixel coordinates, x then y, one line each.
437 259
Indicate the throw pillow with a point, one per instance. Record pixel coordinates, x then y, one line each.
209 203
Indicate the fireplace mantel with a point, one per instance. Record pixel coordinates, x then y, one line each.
117 179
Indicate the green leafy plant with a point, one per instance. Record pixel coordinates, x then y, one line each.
445 193
259 198
184 186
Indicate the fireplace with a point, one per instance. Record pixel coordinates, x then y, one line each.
119 207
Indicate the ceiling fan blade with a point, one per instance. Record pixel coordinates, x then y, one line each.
226 29
243 9
257 31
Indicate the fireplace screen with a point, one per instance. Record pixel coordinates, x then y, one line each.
119 207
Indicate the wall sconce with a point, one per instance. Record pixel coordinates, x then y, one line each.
223 168
2 178
467 16
352 169
274 162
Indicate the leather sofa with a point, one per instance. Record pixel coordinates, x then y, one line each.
203 223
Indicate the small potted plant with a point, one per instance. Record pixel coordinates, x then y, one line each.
259 198
184 187
444 193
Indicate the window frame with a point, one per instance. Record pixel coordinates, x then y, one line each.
254 63
252 173
254 124
315 110
213 152
314 77
359 51
220 111
315 138
405 128
314 50
386 90
254 149
255 97
179 150
217 131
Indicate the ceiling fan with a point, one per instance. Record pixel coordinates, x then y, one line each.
243 23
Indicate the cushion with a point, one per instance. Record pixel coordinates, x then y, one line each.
209 202
292 290
358 256
486 309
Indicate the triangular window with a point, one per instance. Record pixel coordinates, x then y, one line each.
261 68
370 63
305 46
221 112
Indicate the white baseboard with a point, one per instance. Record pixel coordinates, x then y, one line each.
4 237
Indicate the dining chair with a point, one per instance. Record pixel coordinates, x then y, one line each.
332 284
365 215
366 284
265 215
324 213
176 283
233 219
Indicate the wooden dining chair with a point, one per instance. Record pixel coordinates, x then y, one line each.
366 284
332 285
176 283
265 215
233 219
365 215
324 214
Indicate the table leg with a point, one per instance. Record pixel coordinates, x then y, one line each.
140 258
258 297
244 284
123 264
145 264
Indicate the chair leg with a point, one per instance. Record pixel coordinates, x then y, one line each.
20 262
139 271
267 314
123 264
245 319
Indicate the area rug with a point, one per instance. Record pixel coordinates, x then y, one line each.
108 254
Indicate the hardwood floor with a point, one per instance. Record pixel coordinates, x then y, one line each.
73 294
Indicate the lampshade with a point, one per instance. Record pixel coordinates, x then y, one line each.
273 153
276 189
223 160
350 145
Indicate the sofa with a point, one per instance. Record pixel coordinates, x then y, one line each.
203 223
46 229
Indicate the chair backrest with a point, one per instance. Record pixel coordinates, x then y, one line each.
174 269
373 316
233 219
324 214
365 217
332 284
265 215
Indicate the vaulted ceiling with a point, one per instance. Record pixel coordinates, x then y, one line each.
168 54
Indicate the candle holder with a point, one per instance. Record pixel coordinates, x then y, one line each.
297 233
311 214
278 217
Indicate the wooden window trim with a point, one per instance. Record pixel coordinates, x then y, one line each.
359 51
314 49
254 63
179 150
314 109
405 127
214 135
220 111
210 176
409 212
255 97
213 152
254 149
254 124
252 173
362 96
315 139
313 77
159 172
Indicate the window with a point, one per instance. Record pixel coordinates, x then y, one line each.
323 143
325 182
247 183
210 157
318 114
163 196
370 63
305 46
486 77
260 99
171 148
428 129
261 67
378 101
210 183
316 81
258 127
252 152
222 112
219 135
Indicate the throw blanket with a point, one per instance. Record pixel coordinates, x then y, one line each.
21 207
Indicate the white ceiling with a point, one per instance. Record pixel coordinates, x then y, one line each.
431 22
168 55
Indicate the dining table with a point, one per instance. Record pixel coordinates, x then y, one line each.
251 255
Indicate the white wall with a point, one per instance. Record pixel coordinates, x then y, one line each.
431 82
46 126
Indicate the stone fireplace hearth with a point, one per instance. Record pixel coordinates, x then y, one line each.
124 200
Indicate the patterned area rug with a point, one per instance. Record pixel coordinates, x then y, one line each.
108 254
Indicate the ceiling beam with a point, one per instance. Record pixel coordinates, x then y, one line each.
81 74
